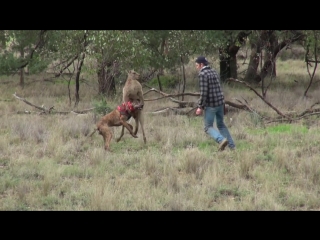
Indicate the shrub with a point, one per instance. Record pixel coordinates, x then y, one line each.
101 107
166 81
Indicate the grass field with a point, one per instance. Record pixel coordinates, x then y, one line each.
48 162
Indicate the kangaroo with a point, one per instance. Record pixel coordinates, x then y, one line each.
132 91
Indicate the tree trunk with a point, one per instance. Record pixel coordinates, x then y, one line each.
228 62
233 50
228 56
270 65
159 82
269 56
273 48
224 65
106 80
78 79
21 77
22 70
183 76
253 63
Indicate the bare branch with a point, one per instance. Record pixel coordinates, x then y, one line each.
249 108
189 104
315 67
183 104
41 34
50 110
251 88
66 66
294 119
165 95
316 103
29 103
175 111
312 61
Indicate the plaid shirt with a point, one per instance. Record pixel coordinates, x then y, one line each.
211 94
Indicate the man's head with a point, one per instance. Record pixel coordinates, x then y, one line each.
200 62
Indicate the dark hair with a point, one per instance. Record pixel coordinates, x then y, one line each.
203 60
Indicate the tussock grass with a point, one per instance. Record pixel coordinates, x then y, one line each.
48 162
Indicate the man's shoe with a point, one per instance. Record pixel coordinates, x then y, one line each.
223 145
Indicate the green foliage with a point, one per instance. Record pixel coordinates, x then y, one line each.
166 81
8 63
210 41
101 107
170 48
265 156
108 46
3 40
287 128
23 48
312 45
280 128
38 65
120 50
256 119
205 145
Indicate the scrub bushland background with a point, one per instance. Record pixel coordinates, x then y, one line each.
47 162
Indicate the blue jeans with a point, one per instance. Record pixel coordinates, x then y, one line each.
209 114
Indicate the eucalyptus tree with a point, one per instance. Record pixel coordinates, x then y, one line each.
312 56
173 48
67 49
181 45
95 51
155 43
225 43
112 51
168 49
103 53
269 42
21 49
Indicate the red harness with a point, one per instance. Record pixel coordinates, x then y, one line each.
126 109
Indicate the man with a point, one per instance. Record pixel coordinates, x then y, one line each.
211 102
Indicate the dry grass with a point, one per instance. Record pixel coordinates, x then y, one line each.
47 162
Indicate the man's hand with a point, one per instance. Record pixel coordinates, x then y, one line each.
199 111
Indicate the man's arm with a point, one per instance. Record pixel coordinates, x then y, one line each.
203 88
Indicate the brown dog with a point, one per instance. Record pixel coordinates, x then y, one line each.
132 91
118 117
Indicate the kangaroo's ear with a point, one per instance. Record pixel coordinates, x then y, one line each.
127 71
